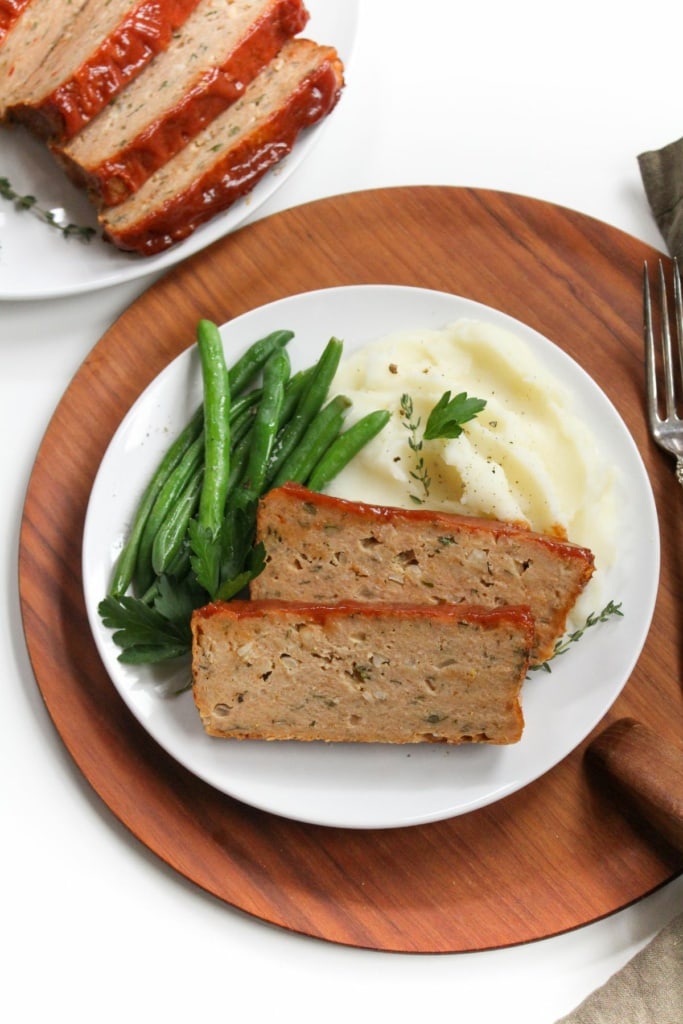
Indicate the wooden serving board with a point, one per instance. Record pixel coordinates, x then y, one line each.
556 855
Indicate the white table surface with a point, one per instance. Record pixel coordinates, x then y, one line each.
547 101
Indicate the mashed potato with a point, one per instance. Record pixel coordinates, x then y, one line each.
527 458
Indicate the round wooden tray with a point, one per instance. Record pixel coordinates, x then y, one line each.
556 855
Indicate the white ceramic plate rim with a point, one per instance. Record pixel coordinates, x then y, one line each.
367 785
36 262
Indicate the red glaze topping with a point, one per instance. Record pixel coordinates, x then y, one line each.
143 33
213 93
221 186
413 517
518 616
9 12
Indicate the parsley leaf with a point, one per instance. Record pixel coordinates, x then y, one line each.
448 415
241 559
157 627
143 631
205 547
225 562
177 600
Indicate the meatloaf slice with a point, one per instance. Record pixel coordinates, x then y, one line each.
322 548
106 46
359 672
206 67
297 88
29 39
9 14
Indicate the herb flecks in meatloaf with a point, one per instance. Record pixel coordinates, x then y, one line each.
321 548
361 672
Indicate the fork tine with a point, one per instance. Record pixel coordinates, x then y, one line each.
669 392
666 427
678 315
650 365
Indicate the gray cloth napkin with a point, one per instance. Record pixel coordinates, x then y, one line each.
647 990
662 174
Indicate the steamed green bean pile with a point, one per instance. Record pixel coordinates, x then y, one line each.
192 539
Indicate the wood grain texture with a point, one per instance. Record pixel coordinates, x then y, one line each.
560 853
648 770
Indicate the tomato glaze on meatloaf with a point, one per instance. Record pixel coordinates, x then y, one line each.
322 548
360 672
67 67
9 15
207 66
298 88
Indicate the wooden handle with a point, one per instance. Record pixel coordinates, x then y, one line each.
650 771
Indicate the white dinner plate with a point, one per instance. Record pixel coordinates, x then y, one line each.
37 262
359 785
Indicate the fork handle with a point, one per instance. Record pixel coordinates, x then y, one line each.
679 469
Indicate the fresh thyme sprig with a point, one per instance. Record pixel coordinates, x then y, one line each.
565 643
415 442
28 202
445 420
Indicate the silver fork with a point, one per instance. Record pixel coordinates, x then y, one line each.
667 430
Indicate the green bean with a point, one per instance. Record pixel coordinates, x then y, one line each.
321 432
165 500
246 368
238 464
293 391
346 446
124 569
264 429
309 405
239 455
178 567
241 417
169 538
241 426
216 426
245 400
240 375
181 564
238 406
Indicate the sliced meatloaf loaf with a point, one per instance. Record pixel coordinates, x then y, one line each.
373 673
28 41
321 548
9 14
208 64
107 44
224 162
